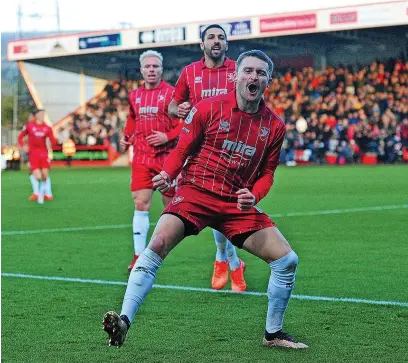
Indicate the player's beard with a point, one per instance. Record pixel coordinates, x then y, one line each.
214 57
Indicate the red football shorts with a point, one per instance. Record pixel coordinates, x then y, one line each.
202 208
142 176
39 160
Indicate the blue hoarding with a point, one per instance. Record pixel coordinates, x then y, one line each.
233 28
99 41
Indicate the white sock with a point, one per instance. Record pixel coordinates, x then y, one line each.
280 288
232 256
42 188
221 243
141 225
140 282
48 190
35 184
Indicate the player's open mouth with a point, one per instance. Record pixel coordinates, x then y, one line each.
252 88
216 47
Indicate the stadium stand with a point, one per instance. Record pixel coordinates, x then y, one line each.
353 115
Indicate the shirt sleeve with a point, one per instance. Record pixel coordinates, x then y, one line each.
21 136
176 128
191 137
131 119
51 136
265 178
181 92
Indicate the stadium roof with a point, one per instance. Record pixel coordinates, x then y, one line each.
110 65
115 53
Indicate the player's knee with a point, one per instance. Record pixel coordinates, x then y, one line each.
287 263
141 205
293 260
158 244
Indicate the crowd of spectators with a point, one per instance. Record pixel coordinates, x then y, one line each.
344 111
103 119
347 112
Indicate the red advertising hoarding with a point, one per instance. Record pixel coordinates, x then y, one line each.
284 23
20 49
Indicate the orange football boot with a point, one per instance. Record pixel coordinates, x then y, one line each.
220 275
33 197
238 283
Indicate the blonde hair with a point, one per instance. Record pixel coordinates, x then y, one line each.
151 53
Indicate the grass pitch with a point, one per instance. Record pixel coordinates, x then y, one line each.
347 224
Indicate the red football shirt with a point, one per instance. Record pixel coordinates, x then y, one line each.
197 81
147 113
37 136
228 149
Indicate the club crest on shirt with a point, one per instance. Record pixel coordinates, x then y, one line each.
161 98
177 200
232 77
224 126
190 116
197 80
263 132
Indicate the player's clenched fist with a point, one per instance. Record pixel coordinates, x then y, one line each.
246 200
183 109
161 182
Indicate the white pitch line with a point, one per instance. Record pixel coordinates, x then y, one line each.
198 289
293 214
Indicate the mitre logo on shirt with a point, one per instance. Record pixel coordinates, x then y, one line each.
238 149
138 100
197 80
39 132
148 109
213 92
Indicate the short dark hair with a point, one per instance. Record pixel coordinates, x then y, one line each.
257 54
218 26
37 110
